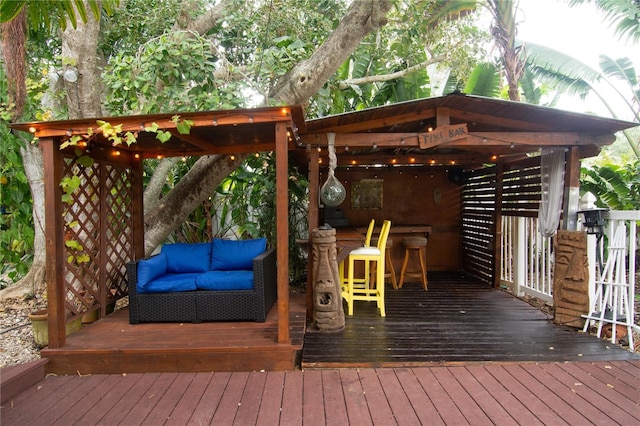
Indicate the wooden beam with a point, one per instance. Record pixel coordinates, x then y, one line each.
443 117
435 158
533 138
498 121
192 139
164 121
359 140
375 123
54 242
282 230
473 139
314 222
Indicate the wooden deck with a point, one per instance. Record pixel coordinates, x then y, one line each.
572 393
112 345
455 321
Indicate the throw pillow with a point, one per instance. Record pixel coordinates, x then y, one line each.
150 269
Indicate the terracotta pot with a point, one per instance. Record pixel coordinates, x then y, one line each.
40 326
621 331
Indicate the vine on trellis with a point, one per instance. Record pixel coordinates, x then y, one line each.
71 184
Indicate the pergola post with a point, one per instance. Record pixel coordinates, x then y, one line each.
282 230
314 218
137 213
54 242
497 225
571 201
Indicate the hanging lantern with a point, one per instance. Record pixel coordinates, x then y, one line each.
332 192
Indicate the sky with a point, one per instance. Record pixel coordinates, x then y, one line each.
581 32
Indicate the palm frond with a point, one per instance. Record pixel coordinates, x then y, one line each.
484 81
560 70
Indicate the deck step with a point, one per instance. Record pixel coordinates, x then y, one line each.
16 378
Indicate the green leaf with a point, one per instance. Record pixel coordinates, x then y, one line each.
10 9
153 128
85 160
163 136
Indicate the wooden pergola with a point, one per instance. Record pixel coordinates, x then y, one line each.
105 213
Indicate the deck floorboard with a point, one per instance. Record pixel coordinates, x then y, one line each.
501 394
455 321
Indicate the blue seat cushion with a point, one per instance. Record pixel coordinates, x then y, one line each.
230 255
225 280
169 282
187 257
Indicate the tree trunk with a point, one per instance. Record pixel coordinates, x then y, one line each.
80 51
33 282
199 183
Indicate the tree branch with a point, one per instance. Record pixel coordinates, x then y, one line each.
307 77
211 17
198 184
387 77
156 183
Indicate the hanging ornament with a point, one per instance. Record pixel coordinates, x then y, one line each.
332 192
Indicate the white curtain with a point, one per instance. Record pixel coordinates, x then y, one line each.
552 171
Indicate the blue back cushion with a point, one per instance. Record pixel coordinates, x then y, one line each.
233 255
184 257
225 280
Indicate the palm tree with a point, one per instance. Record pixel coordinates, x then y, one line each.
504 32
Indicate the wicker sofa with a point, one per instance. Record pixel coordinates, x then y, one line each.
218 281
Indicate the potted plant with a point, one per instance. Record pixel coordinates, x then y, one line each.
40 325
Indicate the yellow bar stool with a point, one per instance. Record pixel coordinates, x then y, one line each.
416 245
367 243
359 289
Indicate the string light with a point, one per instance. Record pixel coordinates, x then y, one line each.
32 129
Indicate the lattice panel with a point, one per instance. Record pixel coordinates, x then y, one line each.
118 229
98 236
